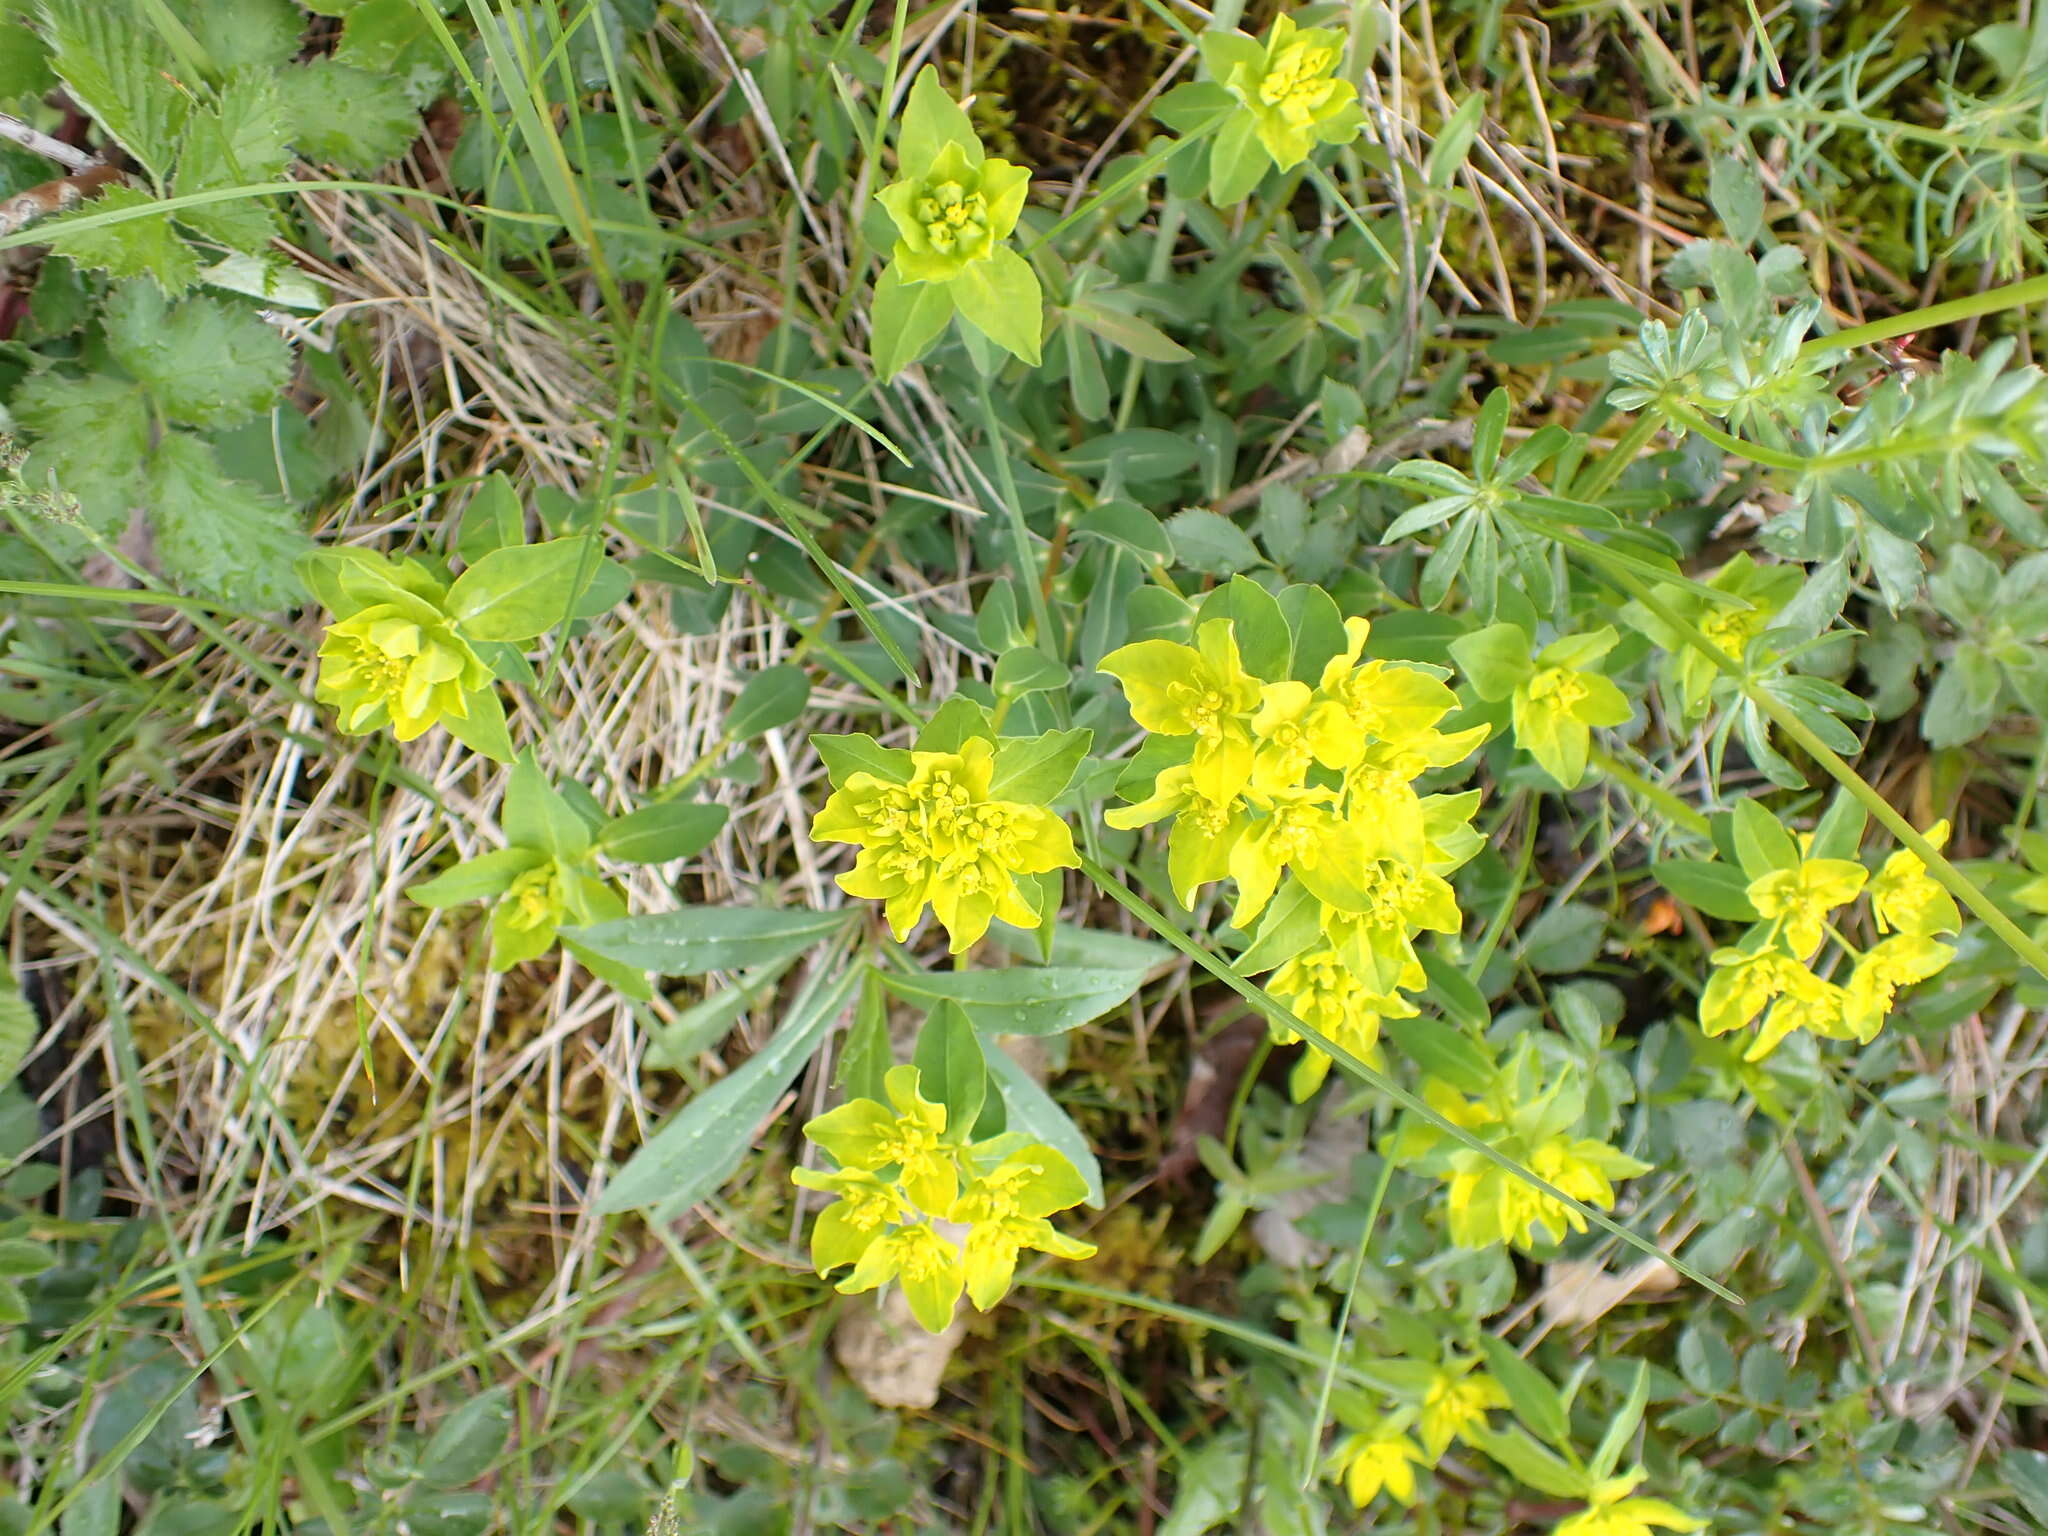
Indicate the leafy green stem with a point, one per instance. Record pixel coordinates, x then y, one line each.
1958 884
1285 1017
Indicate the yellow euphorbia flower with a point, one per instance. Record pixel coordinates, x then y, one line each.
1746 983
953 212
1288 87
1490 1205
1321 991
401 665
1899 961
1201 691
1383 1461
1292 730
929 1265
1372 926
1904 897
908 1133
1799 899
1611 1512
866 1208
1554 712
1387 705
524 921
1455 1401
1300 831
1005 1212
937 837
1204 831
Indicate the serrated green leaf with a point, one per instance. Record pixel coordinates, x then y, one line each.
2027 1471
203 361
220 537
92 439
25 73
117 67
145 244
241 35
347 116
242 140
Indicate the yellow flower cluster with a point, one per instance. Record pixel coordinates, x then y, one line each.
1770 975
936 835
918 1203
1381 1457
1304 796
1614 1509
1532 1122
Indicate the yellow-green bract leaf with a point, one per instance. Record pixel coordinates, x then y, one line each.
536 815
1494 659
1707 885
483 729
484 878
906 320
515 594
691 1156
1036 1113
931 120
1001 298
1762 844
1237 161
